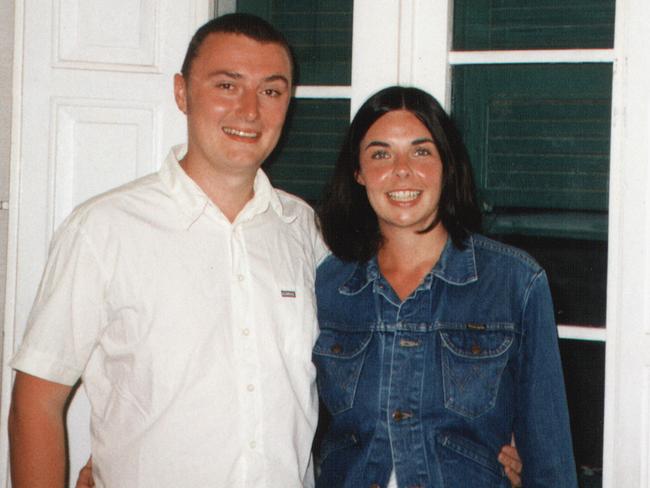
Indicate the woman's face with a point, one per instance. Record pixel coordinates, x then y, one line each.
402 172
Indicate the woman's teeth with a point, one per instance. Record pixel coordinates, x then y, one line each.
403 195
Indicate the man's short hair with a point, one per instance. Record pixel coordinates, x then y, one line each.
247 25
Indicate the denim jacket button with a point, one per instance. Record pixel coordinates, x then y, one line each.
476 349
398 415
336 349
375 485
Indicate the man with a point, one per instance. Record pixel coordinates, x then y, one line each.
184 300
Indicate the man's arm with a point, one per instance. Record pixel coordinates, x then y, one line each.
509 458
37 432
85 479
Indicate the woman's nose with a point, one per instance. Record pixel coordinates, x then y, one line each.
402 166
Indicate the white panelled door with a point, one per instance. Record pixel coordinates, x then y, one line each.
94 108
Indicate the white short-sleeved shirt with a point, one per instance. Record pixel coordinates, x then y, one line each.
192 335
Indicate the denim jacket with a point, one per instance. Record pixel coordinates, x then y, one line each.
433 386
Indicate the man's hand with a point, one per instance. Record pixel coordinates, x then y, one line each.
512 465
85 479
37 432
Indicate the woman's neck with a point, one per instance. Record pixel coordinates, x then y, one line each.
405 257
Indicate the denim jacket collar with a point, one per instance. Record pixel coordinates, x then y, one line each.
455 266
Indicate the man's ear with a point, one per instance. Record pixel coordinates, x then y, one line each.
180 92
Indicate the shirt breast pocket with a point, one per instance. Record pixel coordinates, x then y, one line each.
339 358
473 356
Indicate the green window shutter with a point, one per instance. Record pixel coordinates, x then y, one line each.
539 24
319 32
538 138
305 157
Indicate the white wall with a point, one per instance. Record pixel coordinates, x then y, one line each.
6 41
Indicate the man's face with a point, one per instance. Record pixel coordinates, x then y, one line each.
236 100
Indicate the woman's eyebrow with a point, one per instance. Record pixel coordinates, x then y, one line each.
377 143
422 140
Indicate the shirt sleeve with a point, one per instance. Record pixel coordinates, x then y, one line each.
68 312
542 429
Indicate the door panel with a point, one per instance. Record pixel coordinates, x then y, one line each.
96 110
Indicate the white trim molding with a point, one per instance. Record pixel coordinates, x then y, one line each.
627 434
533 56
312 91
582 333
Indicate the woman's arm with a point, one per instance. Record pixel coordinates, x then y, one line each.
542 420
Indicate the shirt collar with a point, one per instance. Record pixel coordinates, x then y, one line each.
455 266
194 202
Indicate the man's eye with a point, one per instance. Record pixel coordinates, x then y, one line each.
271 92
225 85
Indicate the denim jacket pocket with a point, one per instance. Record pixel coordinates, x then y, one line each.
466 463
339 357
331 445
473 356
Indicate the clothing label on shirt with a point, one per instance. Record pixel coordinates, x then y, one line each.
288 293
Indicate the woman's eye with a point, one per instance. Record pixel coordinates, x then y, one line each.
380 155
422 151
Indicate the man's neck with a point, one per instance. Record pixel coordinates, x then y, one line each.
230 192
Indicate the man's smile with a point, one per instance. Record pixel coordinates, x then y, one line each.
240 133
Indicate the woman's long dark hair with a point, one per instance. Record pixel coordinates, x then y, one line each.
348 222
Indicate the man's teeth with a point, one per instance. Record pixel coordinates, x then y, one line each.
239 133
404 196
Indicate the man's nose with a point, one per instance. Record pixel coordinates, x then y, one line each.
249 105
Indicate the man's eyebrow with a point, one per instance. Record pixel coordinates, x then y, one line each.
225 72
236 76
277 78
377 143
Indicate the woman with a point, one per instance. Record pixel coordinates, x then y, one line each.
436 343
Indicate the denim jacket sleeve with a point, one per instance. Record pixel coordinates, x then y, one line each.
542 429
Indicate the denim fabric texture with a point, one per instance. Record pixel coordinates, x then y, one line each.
433 386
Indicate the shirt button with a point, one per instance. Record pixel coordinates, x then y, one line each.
246 332
250 387
253 444
240 277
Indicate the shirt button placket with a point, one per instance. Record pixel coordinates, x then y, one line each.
248 373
